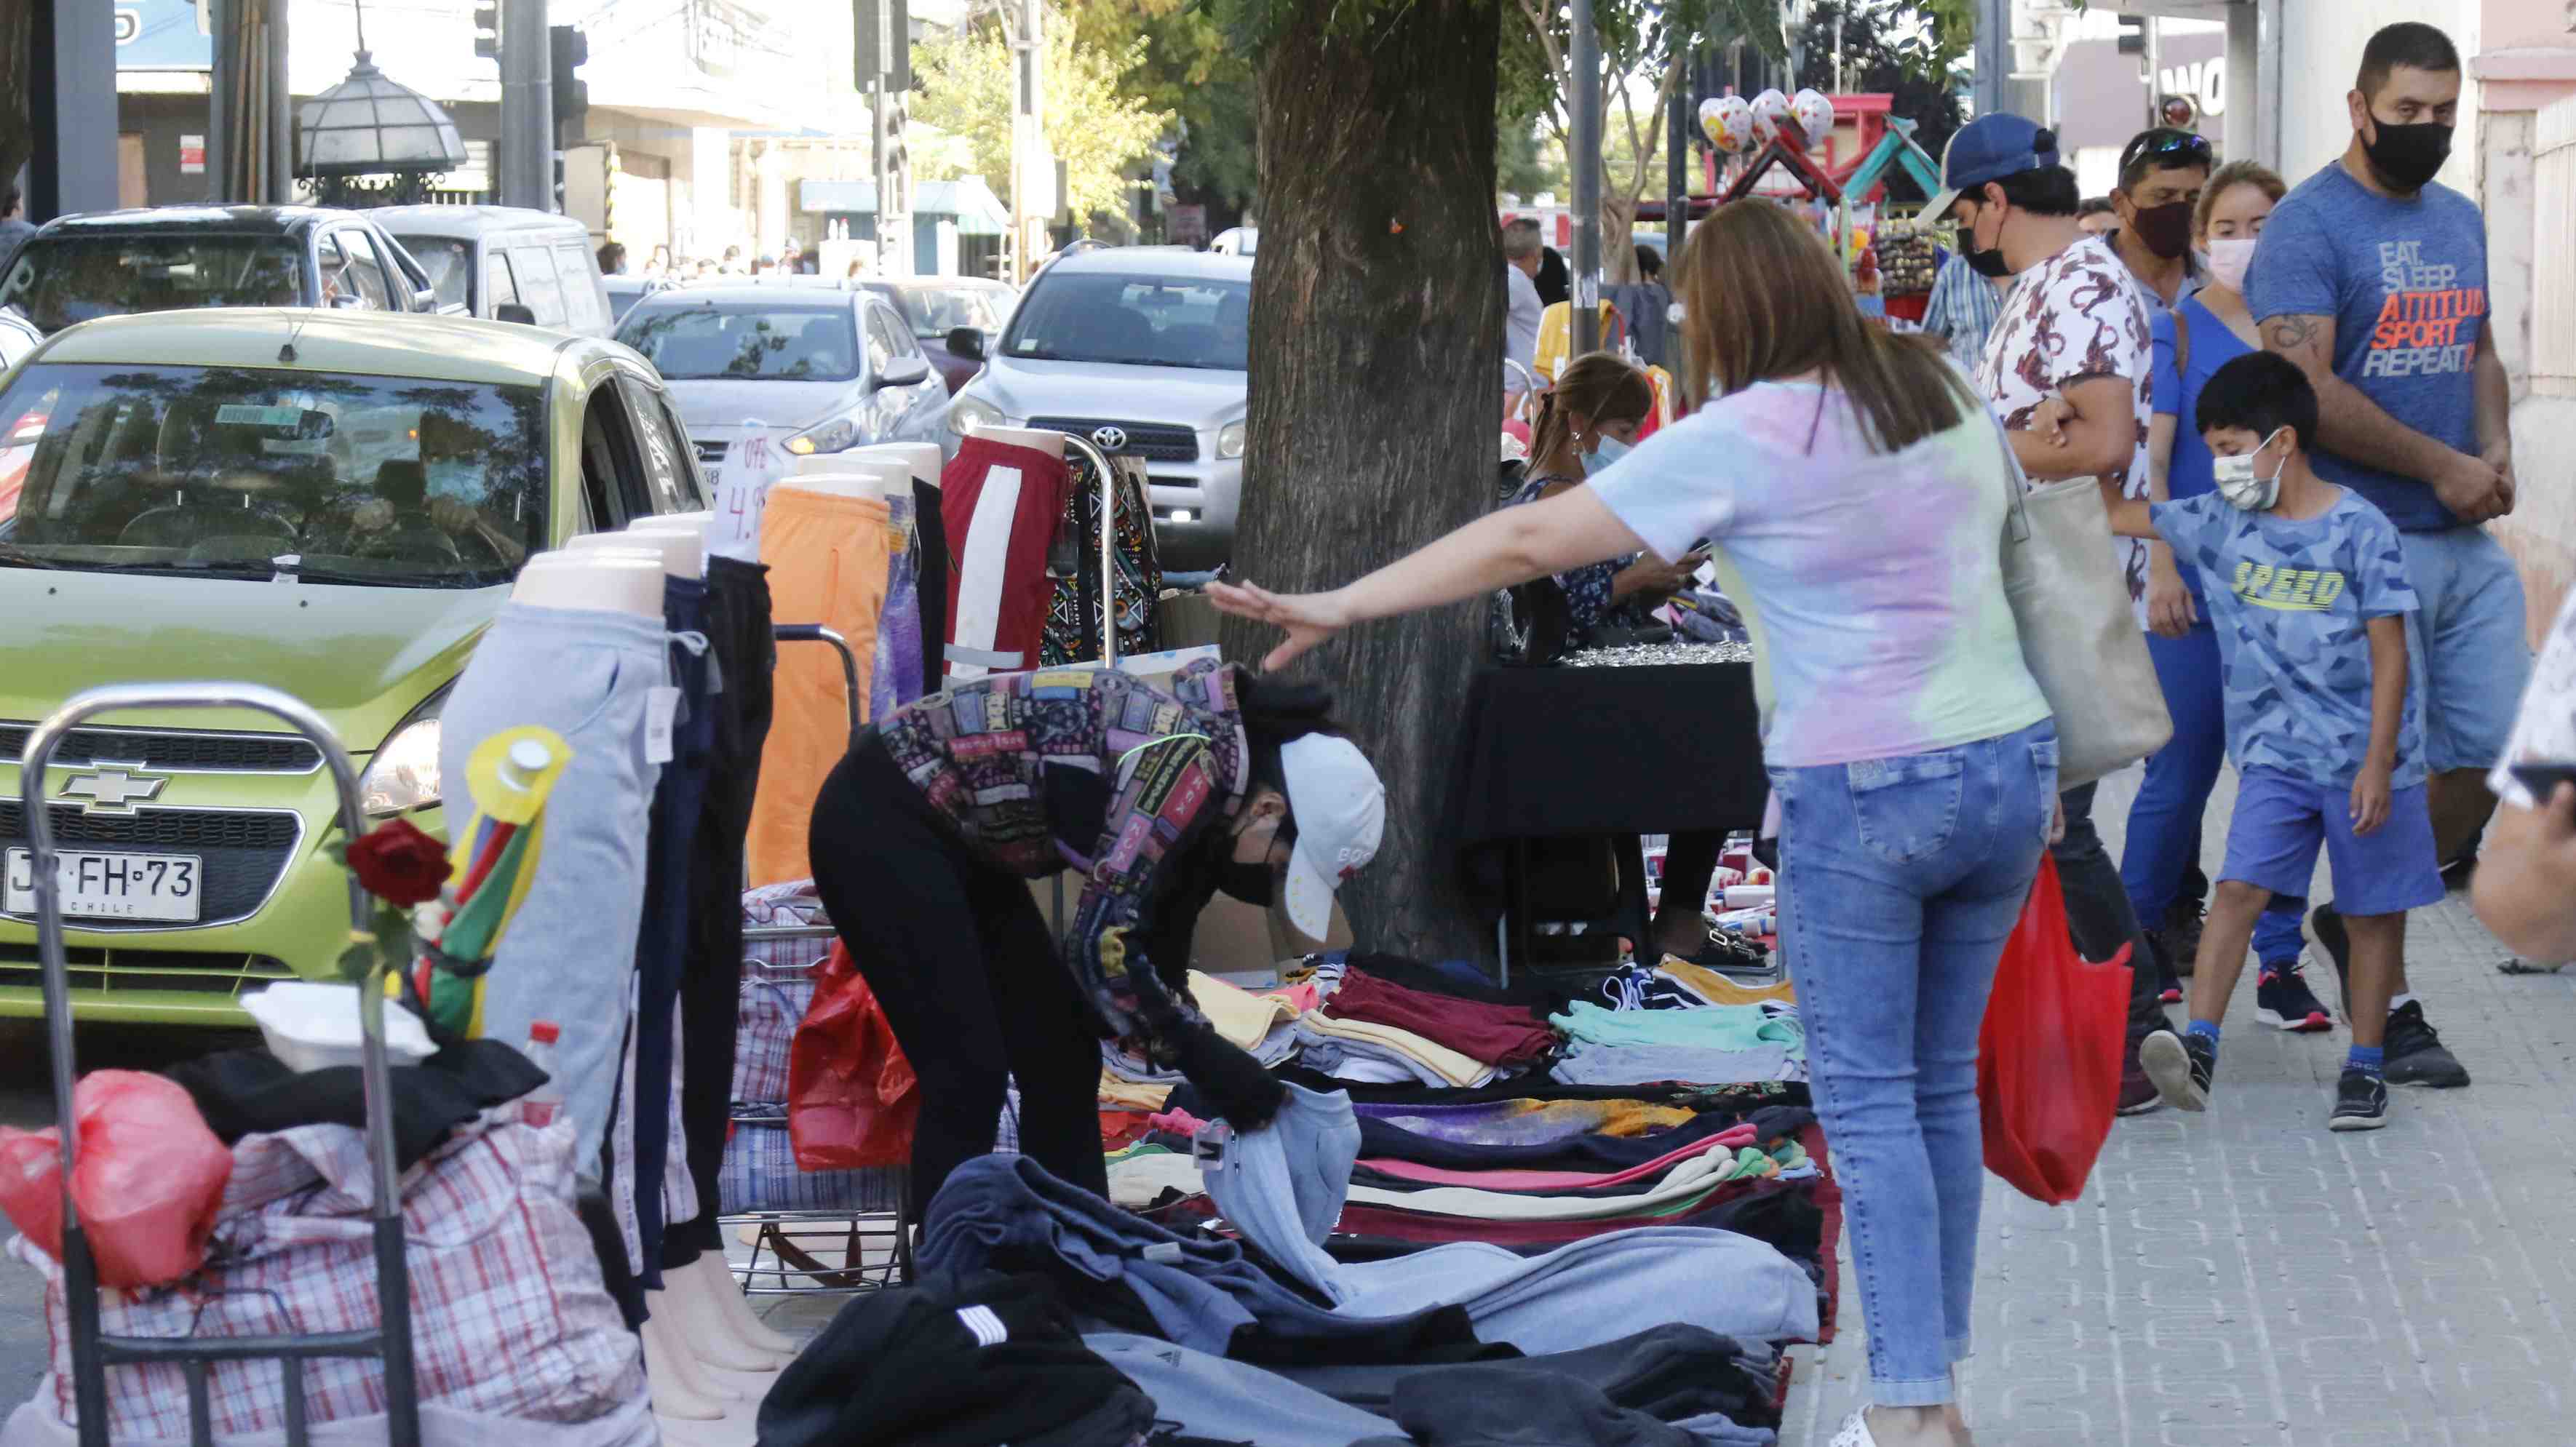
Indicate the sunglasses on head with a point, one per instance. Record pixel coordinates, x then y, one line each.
2172 147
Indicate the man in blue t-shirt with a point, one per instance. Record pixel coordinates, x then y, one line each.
2308 593
2373 278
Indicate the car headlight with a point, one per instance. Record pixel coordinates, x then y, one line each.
1229 441
404 773
966 414
838 435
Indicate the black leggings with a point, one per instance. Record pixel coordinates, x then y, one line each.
961 959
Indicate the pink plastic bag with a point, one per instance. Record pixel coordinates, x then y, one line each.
148 1182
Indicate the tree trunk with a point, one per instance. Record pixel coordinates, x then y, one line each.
1377 325
1618 248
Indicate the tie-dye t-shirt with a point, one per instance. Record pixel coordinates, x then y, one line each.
2291 600
1872 582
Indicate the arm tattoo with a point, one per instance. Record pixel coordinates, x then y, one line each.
2293 334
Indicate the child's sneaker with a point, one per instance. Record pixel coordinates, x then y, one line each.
2283 1000
2361 1102
2182 1066
2416 1055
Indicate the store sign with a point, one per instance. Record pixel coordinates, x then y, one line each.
2203 83
192 155
162 35
1189 223
727 38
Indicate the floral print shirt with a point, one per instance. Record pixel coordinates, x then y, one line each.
1588 604
1102 772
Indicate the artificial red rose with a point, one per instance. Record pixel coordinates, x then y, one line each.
399 864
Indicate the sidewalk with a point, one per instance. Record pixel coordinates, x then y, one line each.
2246 1277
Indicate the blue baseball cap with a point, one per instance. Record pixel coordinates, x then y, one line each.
1990 148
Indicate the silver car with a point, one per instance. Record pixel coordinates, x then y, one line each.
817 369
1143 351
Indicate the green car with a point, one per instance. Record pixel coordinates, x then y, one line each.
329 503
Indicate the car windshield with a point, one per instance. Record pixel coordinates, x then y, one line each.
933 313
450 264
256 472
770 343
59 280
1137 320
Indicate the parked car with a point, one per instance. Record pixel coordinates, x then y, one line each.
934 306
1236 241
1143 351
626 290
340 522
507 264
173 258
815 368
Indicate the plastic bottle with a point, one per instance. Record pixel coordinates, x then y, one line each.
540 1106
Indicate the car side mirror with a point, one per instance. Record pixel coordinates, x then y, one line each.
511 311
967 343
903 372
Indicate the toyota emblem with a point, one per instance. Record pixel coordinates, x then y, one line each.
1109 439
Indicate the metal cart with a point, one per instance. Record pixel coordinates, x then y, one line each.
94 1352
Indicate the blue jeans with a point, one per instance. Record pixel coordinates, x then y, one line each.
2164 820
1900 880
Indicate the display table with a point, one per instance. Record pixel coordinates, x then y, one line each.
1555 753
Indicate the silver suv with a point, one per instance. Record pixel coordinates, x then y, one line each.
1142 350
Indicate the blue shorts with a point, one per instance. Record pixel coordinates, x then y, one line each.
2467 645
2281 819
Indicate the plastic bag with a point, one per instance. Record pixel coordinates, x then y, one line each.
851 1095
148 1182
2048 1056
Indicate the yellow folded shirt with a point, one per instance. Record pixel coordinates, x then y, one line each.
1718 989
1457 1069
1242 1017
1127 1095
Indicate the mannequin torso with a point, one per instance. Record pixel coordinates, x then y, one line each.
604 580
681 554
1050 443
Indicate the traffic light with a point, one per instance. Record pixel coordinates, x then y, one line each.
2133 35
487 31
570 50
893 114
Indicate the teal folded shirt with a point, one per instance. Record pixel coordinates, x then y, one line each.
1711 1027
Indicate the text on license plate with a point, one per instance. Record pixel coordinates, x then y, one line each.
168 888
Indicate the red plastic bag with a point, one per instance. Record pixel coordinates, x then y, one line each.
851 1096
2048 1057
148 1182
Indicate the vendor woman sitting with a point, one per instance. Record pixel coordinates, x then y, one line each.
1585 422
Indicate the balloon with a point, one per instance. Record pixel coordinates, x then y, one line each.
1729 123
1769 109
1814 115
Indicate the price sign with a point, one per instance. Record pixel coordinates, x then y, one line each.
742 493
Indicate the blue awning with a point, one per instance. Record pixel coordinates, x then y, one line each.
969 202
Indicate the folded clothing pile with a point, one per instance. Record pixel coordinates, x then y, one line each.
1684 1024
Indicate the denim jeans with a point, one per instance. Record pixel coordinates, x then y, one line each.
1900 880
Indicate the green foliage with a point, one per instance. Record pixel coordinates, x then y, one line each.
1191 67
1878 55
1525 165
1094 123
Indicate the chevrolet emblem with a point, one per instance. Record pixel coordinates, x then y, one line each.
111 791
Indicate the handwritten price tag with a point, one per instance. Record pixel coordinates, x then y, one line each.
742 493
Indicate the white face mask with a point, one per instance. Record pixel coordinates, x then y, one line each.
2238 483
2230 257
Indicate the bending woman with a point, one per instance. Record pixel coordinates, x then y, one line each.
926 835
1855 491
1586 422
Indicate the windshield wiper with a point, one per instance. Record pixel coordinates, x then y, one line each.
17 557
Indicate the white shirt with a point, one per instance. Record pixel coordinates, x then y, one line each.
1520 323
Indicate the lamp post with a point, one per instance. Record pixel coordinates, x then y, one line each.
373 126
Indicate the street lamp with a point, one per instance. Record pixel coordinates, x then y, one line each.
373 141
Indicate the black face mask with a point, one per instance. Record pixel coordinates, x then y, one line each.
1989 262
2408 156
1251 883
2164 230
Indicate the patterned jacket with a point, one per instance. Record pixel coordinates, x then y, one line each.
1104 773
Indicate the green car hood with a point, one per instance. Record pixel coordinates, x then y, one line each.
362 657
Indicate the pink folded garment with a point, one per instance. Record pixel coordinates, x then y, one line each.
1512 1180
1304 997
1178 1122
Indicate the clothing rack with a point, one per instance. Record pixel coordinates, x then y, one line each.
92 1351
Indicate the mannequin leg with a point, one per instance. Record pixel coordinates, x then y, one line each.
680 1388
707 1293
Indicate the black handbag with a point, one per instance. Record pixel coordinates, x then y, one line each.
1531 626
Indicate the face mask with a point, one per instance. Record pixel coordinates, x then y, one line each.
2408 156
2237 481
1251 883
2164 230
1988 263
1605 450
2229 259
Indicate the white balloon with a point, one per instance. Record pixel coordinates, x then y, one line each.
1814 114
1728 120
1769 109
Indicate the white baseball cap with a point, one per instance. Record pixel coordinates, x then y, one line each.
1340 809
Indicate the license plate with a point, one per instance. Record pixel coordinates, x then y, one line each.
166 888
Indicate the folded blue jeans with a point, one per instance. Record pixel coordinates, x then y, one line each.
1900 880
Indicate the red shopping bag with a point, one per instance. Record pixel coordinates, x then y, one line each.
851 1096
2048 1057
148 1182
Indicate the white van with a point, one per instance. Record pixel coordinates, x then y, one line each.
507 264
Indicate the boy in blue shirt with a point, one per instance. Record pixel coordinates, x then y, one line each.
2307 589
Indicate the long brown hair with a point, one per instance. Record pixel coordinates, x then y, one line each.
1599 386
1763 297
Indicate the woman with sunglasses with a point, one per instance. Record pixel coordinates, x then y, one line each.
1854 490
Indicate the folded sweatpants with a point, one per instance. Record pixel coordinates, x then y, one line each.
931 568
898 662
829 562
569 953
1001 503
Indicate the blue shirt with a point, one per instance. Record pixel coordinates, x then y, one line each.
1963 308
2291 601
2406 282
2177 395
